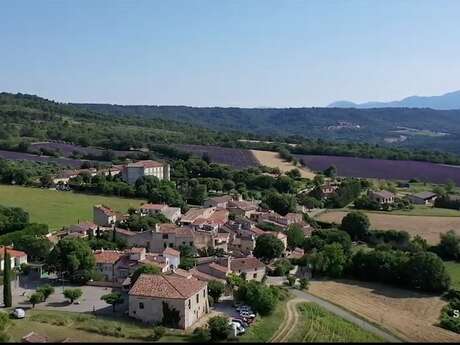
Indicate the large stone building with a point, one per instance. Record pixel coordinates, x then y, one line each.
151 295
132 171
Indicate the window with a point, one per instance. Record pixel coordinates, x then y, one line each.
171 245
189 304
204 293
197 298
165 236
191 243
141 305
254 275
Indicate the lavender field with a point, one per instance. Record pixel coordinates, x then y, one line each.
384 169
67 150
64 162
237 158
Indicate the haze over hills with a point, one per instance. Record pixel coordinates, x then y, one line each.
448 101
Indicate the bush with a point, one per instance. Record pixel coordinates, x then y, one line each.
201 335
219 328
158 333
282 267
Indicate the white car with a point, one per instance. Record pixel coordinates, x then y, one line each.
247 314
19 313
238 329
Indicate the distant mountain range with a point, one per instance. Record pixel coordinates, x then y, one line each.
448 101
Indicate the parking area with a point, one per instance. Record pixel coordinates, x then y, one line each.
90 301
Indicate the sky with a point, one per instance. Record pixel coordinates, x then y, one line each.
247 53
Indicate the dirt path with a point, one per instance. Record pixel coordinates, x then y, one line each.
290 319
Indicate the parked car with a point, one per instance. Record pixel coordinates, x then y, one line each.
19 313
241 322
247 314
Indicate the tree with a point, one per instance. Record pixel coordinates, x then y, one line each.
219 328
282 267
36 298
329 261
294 174
280 203
46 290
268 247
426 271
144 269
331 171
113 298
215 289
449 246
260 297
356 224
295 236
73 294
7 295
71 256
304 283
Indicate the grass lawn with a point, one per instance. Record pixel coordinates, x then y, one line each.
453 268
84 328
265 327
318 325
59 208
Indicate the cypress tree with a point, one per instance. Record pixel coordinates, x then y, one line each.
7 296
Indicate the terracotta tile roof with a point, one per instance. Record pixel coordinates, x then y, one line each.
107 256
383 194
166 286
193 214
13 252
203 276
106 210
171 251
257 231
246 264
146 164
125 232
243 205
33 337
218 267
220 199
158 207
135 250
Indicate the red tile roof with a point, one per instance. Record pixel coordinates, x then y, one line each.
107 256
13 252
166 286
158 207
171 251
246 264
146 164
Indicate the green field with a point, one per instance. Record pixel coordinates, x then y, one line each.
453 268
84 328
59 208
418 210
318 325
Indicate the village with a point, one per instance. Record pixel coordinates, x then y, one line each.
160 266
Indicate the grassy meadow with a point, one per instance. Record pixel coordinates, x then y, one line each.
57 208
318 325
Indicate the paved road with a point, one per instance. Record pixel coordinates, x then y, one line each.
346 315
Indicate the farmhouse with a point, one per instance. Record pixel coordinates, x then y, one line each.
153 295
173 214
423 198
17 257
115 266
251 267
103 215
382 197
80 230
242 208
218 201
133 171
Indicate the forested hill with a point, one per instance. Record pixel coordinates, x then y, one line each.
406 127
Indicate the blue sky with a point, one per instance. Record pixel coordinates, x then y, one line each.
229 53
